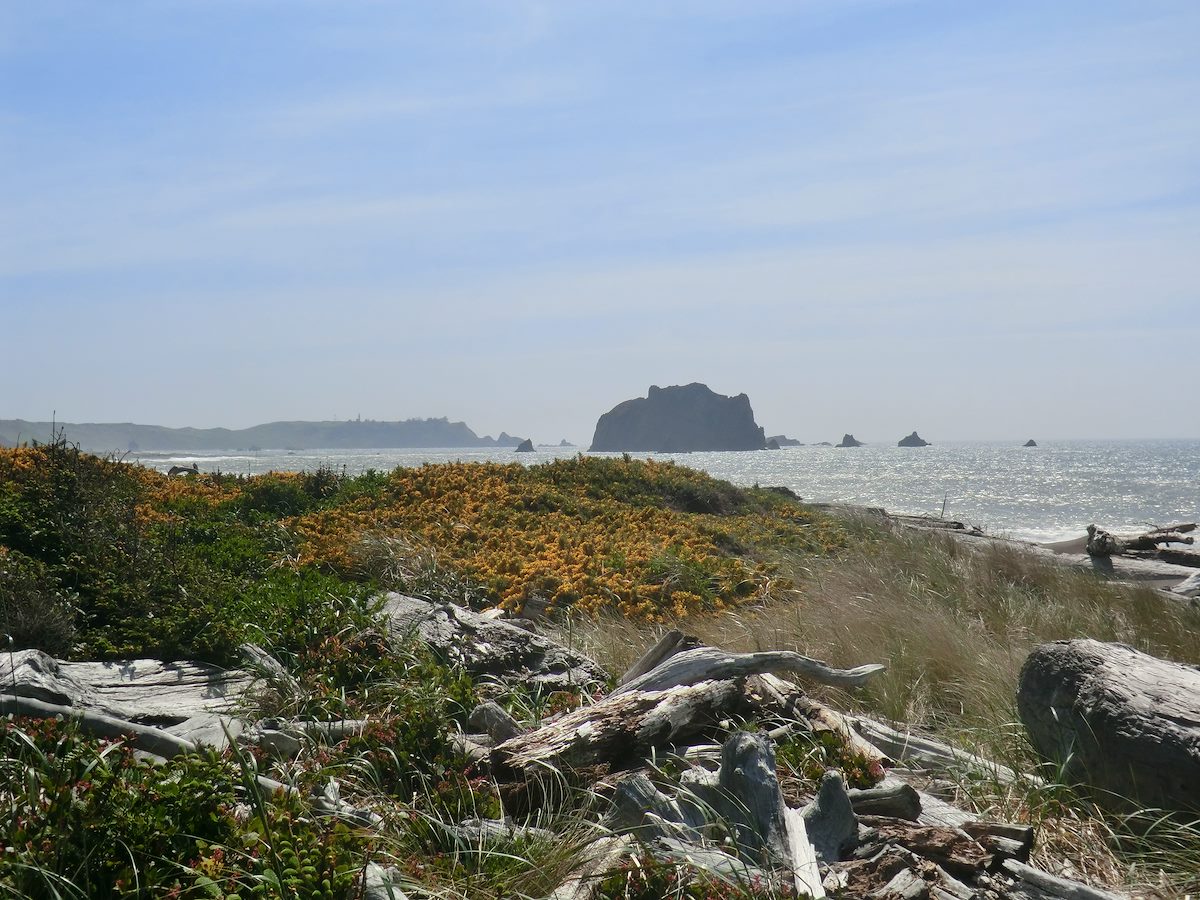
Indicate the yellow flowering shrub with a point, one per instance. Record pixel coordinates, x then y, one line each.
587 533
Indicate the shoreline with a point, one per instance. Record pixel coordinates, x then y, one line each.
1165 577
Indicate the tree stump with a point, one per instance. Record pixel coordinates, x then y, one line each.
1122 722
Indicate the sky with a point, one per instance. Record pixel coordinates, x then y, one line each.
977 220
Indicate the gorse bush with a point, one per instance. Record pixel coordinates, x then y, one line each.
651 540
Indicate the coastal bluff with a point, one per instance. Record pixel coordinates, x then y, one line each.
109 437
680 418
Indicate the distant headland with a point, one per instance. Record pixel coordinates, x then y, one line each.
110 437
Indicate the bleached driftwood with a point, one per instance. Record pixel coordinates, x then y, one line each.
143 737
1102 543
488 648
674 641
806 872
1121 721
620 729
708 663
1051 886
909 747
191 700
895 799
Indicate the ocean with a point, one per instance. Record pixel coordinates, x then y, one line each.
1046 493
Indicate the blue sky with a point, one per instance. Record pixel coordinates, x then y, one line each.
979 220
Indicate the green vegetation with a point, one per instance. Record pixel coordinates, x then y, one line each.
103 560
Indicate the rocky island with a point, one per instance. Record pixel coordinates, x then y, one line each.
848 440
677 419
913 440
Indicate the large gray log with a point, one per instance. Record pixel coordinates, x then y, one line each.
708 663
1121 721
1102 543
489 648
193 701
620 729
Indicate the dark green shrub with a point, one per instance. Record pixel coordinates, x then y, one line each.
87 818
34 610
275 496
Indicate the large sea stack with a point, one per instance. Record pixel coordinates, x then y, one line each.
913 440
680 418
849 440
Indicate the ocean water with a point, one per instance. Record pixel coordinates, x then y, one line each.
1045 493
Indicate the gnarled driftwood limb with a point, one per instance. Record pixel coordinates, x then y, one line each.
708 663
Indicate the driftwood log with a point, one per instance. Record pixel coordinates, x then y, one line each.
708 663
488 648
189 700
619 730
905 746
1102 543
1123 722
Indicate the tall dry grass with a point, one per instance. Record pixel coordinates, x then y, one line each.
954 622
